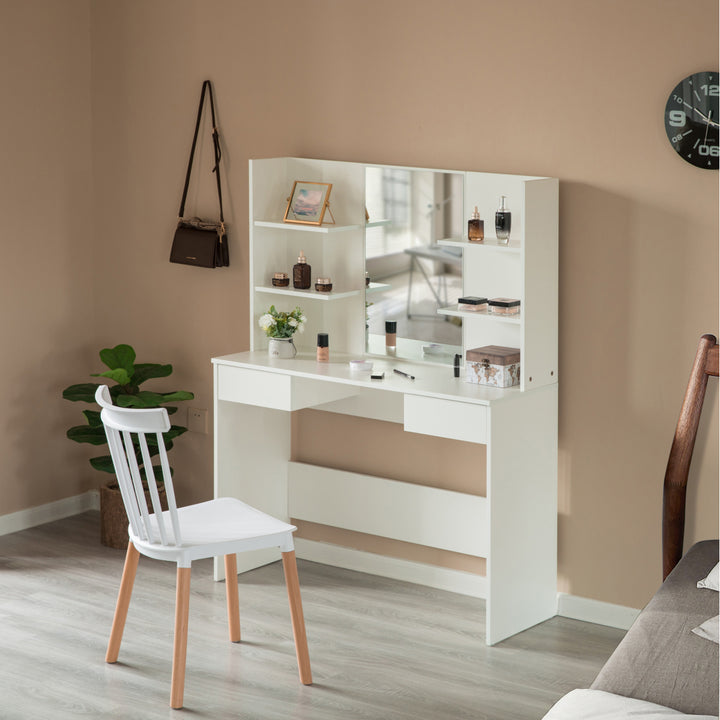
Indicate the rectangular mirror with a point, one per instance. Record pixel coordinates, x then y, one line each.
410 275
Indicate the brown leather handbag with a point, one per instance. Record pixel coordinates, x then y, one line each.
201 242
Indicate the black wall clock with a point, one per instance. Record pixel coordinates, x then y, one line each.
692 120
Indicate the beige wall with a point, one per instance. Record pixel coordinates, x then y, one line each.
567 88
46 269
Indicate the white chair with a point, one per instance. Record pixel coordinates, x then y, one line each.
224 526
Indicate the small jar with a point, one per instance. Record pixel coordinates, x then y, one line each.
323 285
472 303
504 306
280 280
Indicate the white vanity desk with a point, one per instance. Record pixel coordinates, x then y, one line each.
514 527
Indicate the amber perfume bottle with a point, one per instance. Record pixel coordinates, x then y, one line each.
476 227
502 222
301 273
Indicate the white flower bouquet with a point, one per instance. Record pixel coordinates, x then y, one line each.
278 324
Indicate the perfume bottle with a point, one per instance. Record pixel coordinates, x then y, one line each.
502 222
323 349
390 334
476 227
301 273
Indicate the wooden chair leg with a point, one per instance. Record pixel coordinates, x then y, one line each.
296 614
123 603
182 610
233 602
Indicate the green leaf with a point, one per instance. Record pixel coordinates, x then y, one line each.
84 392
119 375
103 463
177 396
146 371
148 399
86 434
93 418
121 356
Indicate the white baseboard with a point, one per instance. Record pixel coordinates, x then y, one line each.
456 581
24 519
596 611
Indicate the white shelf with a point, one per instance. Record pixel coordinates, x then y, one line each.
377 287
514 246
484 314
306 228
307 294
378 223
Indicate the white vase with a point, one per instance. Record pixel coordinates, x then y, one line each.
281 348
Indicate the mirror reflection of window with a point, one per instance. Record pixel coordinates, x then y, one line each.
412 276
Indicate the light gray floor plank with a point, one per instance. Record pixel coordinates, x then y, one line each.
380 649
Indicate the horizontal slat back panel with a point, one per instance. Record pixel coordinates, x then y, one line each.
417 514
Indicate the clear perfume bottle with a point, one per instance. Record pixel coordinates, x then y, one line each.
502 222
476 227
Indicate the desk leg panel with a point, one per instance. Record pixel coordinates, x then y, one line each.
522 496
252 451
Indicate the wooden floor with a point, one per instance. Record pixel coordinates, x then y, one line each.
380 649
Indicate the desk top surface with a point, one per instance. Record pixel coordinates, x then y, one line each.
430 380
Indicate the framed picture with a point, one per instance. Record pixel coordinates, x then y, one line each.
308 202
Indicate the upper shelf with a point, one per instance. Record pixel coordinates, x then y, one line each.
490 243
310 294
306 228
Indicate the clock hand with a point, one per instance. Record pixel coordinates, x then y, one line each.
706 118
707 127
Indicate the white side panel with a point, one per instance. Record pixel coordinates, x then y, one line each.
251 452
446 418
522 497
389 508
540 309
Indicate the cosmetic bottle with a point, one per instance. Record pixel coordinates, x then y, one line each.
323 351
476 227
502 222
390 334
280 279
301 273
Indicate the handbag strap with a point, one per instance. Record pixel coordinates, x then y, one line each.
216 150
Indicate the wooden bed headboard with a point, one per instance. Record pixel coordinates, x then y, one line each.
676 474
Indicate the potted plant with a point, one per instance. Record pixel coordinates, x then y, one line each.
280 328
127 377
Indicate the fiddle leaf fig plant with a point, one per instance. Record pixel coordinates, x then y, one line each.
126 392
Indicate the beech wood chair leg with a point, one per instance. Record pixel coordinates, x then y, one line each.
123 603
182 610
233 602
296 615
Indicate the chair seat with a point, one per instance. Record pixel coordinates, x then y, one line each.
213 528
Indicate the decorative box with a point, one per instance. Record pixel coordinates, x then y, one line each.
493 365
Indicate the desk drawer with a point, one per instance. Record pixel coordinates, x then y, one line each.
446 418
254 387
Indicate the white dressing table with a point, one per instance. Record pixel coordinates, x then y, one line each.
515 525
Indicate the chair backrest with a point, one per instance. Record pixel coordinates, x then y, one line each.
131 432
678 467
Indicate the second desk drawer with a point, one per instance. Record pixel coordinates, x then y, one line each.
446 418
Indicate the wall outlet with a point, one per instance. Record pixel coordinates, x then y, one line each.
197 420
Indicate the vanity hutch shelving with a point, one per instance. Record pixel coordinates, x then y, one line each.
515 525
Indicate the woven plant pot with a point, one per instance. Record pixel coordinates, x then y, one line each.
113 518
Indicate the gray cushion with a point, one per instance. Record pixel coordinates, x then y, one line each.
660 659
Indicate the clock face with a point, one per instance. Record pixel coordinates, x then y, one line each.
692 120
